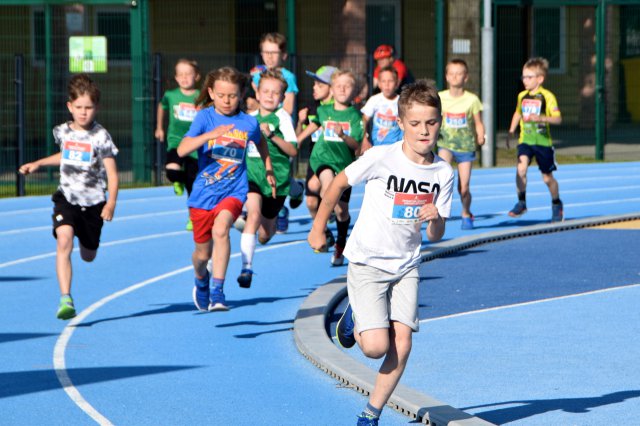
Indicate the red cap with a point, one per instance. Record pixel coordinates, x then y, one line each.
383 51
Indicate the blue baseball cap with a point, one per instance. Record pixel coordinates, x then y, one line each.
323 74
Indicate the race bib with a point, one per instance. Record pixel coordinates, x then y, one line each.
531 106
77 153
228 148
185 111
406 207
330 132
252 150
455 121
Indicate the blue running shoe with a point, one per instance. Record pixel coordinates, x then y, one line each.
364 420
217 300
201 293
519 209
467 223
557 212
244 279
345 329
282 221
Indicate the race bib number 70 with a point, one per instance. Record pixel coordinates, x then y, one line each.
406 207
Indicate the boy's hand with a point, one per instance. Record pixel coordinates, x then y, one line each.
428 212
264 128
510 135
107 211
535 118
272 182
317 240
481 139
303 114
339 131
27 168
219 131
159 134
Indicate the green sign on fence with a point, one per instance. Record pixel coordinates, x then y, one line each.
88 54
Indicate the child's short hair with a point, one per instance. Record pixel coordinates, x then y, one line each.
458 61
540 63
228 74
421 92
82 84
391 69
193 64
276 38
341 72
274 74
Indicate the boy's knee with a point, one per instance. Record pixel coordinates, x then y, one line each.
87 255
375 349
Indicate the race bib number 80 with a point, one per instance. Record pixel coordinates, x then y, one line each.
406 207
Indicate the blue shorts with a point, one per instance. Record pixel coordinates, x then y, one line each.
461 156
545 156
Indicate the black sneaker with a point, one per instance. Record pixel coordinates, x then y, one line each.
345 334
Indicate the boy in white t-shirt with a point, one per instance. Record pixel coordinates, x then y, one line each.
382 111
406 185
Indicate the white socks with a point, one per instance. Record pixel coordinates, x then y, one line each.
247 248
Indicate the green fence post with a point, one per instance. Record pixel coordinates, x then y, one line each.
48 84
600 98
440 44
140 134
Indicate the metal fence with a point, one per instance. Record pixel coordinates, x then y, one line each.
425 33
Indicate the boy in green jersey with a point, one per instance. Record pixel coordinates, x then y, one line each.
337 147
263 202
179 105
537 108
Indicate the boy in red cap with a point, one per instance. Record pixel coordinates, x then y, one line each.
385 56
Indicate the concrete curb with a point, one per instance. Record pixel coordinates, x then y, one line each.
311 337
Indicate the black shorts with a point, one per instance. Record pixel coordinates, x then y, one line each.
346 195
86 221
270 206
173 157
545 156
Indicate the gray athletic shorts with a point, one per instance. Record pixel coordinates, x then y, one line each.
378 297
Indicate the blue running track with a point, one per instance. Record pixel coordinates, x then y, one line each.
535 330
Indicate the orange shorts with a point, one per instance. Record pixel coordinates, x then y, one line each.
203 219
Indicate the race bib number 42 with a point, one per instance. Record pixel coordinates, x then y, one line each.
406 207
77 153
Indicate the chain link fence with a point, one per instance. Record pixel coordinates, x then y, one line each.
344 33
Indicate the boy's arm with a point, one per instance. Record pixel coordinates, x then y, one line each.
112 188
266 158
286 147
351 142
189 144
515 121
303 113
308 131
477 118
436 223
548 119
52 160
366 143
289 102
159 134
317 239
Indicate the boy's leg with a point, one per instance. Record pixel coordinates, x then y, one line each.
174 172
552 184
400 339
464 178
64 247
221 243
248 237
524 159
521 173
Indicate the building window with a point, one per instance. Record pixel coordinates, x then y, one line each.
549 36
116 26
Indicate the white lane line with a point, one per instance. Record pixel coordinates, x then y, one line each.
116 219
533 302
120 202
60 348
108 244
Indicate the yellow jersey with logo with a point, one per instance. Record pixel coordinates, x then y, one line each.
543 103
